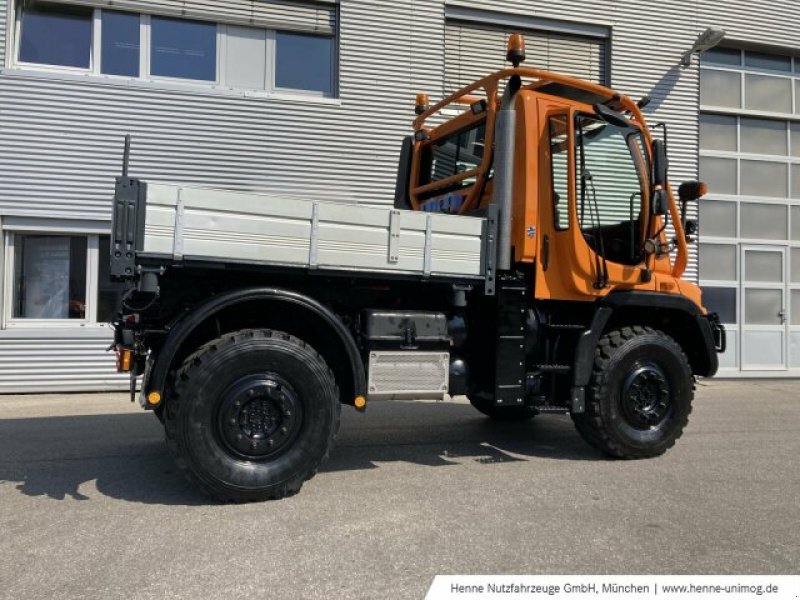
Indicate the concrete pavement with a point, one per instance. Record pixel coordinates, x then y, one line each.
92 507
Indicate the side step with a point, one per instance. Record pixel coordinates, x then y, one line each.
566 326
557 369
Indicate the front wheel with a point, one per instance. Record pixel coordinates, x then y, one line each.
640 397
253 415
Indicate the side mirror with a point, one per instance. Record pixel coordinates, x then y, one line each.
660 163
692 190
610 116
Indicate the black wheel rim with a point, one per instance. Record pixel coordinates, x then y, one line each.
259 416
646 397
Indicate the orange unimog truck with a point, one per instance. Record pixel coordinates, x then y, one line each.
532 261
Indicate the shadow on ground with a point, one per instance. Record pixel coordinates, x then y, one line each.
125 456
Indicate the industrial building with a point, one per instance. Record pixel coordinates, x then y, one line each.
312 99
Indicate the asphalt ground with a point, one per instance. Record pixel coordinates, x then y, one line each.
92 507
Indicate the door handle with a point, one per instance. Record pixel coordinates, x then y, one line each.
782 315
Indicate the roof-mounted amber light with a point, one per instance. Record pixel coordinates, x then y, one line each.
423 103
516 49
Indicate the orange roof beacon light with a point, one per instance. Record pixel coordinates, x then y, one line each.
516 49
423 103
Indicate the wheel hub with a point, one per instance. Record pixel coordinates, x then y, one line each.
259 416
646 397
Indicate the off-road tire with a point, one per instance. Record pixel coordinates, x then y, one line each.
201 392
618 413
501 413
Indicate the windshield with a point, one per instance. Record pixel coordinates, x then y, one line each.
610 188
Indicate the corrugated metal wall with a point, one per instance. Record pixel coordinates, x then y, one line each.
50 361
61 137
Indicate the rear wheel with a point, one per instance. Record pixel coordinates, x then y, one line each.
640 396
501 413
253 415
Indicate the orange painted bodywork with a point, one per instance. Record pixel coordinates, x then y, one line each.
570 271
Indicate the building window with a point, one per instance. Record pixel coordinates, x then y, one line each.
49 277
183 49
304 62
121 43
56 35
147 47
60 277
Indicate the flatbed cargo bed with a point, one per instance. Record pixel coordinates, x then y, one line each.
157 222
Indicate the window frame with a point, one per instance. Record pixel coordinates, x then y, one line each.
22 227
641 168
145 59
93 48
569 126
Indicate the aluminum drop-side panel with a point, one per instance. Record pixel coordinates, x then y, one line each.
227 226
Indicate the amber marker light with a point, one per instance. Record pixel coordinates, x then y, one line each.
154 398
516 49
124 357
422 103
360 402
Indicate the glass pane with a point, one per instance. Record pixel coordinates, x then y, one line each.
719 174
765 221
717 132
721 301
721 56
304 62
457 153
761 265
718 261
246 62
184 49
795 307
762 307
772 94
795 139
717 218
56 35
49 277
720 88
795 181
797 96
795 258
774 62
559 145
796 222
761 178
120 41
109 293
762 136
609 193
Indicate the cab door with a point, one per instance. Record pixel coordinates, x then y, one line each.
594 242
